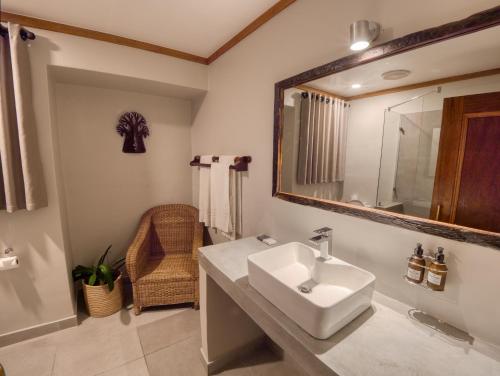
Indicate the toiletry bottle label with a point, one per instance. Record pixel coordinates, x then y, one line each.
434 278
414 274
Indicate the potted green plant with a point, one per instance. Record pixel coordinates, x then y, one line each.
102 286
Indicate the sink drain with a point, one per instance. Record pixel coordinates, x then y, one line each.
304 289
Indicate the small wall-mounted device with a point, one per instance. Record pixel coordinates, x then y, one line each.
266 239
8 260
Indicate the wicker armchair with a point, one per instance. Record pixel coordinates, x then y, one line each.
162 260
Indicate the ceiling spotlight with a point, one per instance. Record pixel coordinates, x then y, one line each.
356 86
362 33
395 74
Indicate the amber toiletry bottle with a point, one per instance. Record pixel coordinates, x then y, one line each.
416 265
436 277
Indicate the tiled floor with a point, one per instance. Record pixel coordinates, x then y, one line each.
159 342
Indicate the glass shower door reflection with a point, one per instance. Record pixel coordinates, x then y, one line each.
387 197
408 161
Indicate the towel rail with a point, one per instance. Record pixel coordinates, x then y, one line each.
240 163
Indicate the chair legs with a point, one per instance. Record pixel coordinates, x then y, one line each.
137 310
196 304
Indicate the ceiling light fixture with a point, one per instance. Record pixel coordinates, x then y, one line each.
362 33
356 86
395 74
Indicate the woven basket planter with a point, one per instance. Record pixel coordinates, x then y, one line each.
100 301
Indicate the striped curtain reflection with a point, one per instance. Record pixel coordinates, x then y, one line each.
322 140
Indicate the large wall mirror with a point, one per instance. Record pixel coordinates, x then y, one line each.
407 133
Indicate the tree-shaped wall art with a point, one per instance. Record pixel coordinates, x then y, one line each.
133 126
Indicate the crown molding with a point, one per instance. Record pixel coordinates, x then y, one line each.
116 39
252 26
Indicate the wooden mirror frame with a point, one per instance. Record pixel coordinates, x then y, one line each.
479 21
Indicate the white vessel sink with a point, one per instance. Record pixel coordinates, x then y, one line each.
339 291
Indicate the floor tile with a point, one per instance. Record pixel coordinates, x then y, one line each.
168 331
94 345
181 359
126 317
113 346
239 370
236 368
96 351
40 361
261 362
135 368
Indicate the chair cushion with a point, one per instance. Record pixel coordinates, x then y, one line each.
173 267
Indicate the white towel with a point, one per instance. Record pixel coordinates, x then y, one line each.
222 196
235 197
204 191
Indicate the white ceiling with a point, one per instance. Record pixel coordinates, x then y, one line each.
195 26
467 54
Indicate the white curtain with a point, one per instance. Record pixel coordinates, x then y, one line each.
21 175
322 140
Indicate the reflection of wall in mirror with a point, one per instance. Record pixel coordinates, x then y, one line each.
413 185
368 170
436 133
389 158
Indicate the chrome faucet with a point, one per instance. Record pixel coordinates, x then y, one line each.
324 241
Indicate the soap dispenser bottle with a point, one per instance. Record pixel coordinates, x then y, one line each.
416 265
436 277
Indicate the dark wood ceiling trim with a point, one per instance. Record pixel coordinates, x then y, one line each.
97 35
116 39
254 25
321 92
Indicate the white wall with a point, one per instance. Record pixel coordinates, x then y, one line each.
237 116
106 190
40 290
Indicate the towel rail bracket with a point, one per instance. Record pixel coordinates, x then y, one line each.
240 163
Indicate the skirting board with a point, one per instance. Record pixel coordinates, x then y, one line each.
37 330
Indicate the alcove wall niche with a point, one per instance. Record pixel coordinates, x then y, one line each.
104 191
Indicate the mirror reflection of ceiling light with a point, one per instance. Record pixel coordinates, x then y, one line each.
395 74
362 33
356 86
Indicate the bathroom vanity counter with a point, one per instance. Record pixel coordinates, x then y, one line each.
384 340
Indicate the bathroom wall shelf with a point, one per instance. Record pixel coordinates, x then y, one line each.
423 284
240 163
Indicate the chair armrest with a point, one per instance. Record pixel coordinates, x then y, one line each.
197 239
137 253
